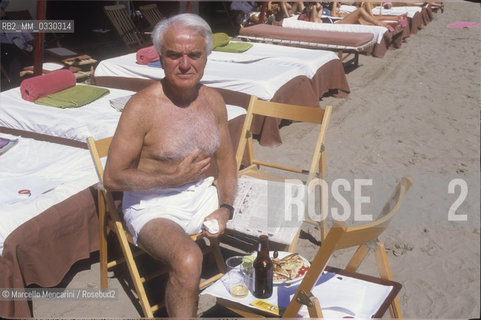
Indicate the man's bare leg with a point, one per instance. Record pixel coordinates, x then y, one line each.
166 241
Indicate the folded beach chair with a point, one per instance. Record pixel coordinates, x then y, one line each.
109 219
125 27
151 13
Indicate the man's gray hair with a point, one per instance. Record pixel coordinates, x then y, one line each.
189 20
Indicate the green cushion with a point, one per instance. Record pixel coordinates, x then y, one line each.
235 47
219 39
73 97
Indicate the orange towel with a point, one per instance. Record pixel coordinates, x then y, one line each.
147 55
41 86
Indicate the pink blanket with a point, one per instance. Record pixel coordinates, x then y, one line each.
147 55
462 24
43 85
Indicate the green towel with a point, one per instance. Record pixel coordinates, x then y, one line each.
73 97
234 47
219 39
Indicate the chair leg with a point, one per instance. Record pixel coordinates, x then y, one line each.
103 242
322 176
357 258
385 273
219 260
315 312
134 272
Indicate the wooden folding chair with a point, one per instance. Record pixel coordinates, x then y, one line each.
151 13
365 237
125 27
288 112
109 219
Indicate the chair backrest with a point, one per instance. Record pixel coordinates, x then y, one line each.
260 108
98 150
340 237
124 26
288 112
151 13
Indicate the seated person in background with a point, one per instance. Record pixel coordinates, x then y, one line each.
313 12
243 11
166 137
291 8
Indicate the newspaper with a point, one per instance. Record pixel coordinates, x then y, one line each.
262 207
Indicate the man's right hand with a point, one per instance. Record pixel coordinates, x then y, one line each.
191 168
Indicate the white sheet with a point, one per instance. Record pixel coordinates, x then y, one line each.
377 31
52 173
339 296
97 119
262 73
396 11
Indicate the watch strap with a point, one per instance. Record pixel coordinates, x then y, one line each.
231 209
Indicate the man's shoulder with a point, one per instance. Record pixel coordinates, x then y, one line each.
145 98
211 94
215 101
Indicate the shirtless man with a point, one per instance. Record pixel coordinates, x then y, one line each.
166 137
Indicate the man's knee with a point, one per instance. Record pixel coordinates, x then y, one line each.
187 265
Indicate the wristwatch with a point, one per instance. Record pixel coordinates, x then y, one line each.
231 209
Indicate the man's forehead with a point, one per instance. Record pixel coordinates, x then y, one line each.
179 35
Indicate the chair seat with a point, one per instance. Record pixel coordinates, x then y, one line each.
261 208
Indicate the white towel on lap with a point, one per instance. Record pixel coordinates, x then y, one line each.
187 206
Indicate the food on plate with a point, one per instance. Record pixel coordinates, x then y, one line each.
289 267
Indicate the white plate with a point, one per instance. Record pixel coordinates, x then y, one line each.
281 255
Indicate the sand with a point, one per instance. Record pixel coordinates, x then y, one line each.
415 112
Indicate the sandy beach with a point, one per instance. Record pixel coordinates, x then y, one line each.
415 112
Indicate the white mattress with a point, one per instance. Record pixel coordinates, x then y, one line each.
394 11
97 119
55 170
377 31
260 71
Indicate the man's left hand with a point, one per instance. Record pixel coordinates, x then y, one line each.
222 216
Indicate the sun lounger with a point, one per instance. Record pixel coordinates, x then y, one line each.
275 73
416 15
384 37
44 234
341 42
98 119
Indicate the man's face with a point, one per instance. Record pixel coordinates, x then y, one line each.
183 56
